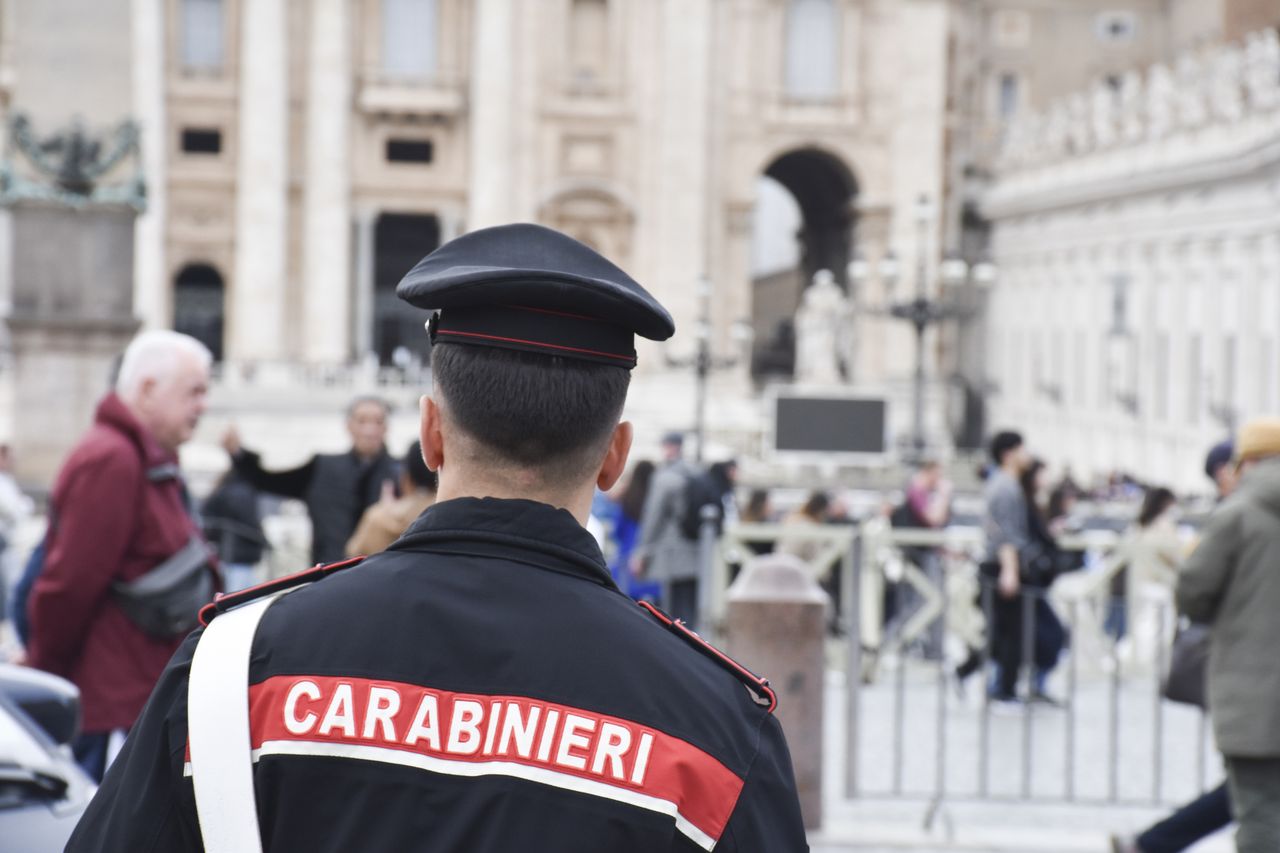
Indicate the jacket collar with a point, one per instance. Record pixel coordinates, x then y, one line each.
520 530
113 413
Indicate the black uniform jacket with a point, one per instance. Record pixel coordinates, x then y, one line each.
480 686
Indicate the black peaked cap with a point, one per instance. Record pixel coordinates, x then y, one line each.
530 288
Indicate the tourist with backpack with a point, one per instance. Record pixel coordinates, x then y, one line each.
665 554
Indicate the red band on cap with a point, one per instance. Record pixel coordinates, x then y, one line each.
629 360
539 330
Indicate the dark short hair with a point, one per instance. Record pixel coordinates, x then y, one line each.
531 410
416 467
1219 455
1002 443
1154 503
816 505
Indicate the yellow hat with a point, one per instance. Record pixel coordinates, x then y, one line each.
1259 437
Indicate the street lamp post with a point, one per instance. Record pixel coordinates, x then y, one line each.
921 311
704 361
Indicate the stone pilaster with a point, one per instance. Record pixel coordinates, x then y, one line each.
258 291
682 167
492 114
152 296
327 193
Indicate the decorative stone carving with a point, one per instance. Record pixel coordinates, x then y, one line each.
1079 130
1102 114
1226 95
821 323
1192 108
1056 129
1230 84
1262 69
1161 94
1132 107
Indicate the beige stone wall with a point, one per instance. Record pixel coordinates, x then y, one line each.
642 131
1246 16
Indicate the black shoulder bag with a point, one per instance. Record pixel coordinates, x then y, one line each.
166 601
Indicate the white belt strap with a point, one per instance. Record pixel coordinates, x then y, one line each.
218 731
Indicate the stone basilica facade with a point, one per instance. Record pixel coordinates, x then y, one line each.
301 155
313 151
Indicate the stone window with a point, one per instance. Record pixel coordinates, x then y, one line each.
1266 374
1106 378
1160 363
1195 379
1120 304
409 151
198 302
201 140
410 38
1228 385
812 70
1007 95
588 42
1116 27
202 35
1080 360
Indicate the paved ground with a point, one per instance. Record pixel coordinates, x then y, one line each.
1005 803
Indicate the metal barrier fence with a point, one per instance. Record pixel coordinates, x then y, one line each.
907 731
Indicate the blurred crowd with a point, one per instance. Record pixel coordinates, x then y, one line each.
129 555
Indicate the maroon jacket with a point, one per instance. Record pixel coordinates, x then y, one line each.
108 522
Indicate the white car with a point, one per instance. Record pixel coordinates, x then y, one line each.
43 791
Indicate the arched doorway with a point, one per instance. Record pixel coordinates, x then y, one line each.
199 301
804 220
400 241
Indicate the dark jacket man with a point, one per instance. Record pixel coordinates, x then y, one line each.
337 488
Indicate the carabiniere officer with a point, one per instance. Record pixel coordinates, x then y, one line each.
482 685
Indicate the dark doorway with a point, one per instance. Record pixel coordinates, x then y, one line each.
198 305
824 191
400 241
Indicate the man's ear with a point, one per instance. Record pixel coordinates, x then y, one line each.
430 433
615 461
143 392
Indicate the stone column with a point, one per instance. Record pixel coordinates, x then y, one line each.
735 287
682 167
258 291
917 157
327 193
151 293
492 114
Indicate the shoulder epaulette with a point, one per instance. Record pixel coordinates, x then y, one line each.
757 685
225 601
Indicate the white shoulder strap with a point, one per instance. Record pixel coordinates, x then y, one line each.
218 731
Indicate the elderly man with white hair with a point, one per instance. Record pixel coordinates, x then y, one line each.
118 513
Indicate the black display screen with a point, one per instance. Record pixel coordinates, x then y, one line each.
829 425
